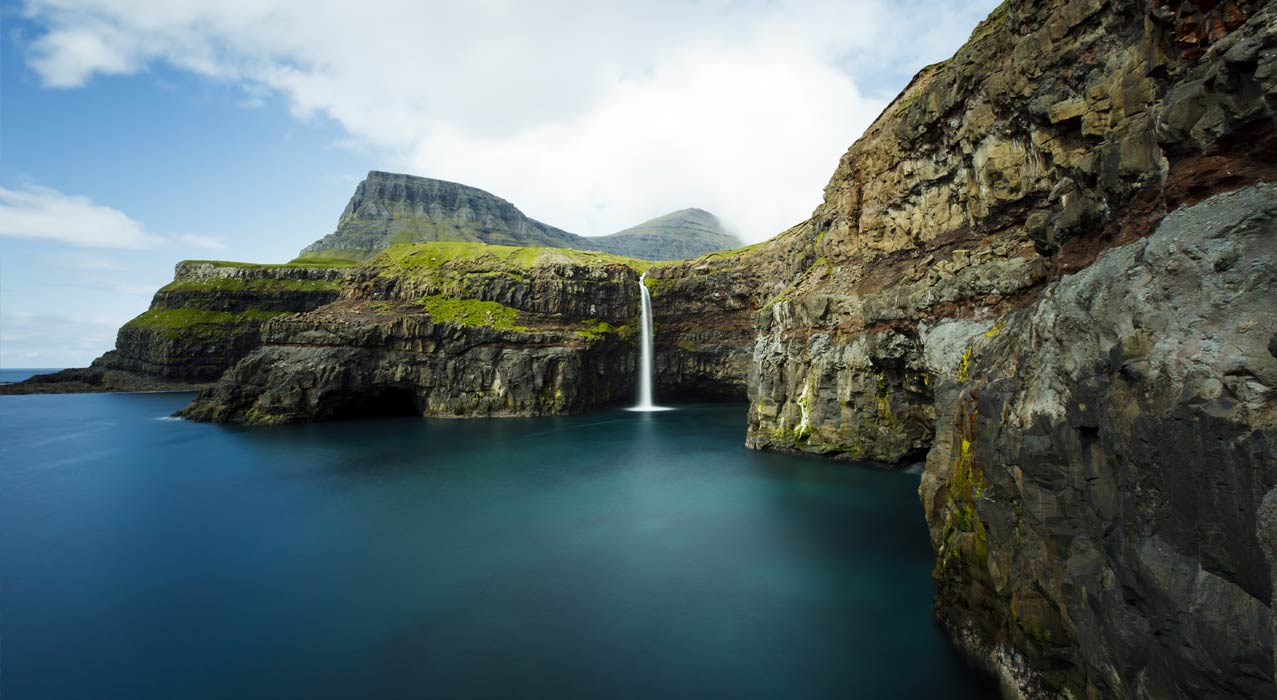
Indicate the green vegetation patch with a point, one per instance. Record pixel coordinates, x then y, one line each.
324 261
996 19
264 284
595 329
472 312
493 258
196 323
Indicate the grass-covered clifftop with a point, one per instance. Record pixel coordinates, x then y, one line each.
447 328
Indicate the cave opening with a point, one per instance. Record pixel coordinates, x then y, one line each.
378 402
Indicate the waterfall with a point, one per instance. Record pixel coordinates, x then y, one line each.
645 351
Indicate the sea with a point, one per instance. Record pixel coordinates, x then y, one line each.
9 375
610 555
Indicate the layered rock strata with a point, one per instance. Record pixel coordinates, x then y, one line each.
197 327
1059 130
1095 489
1095 404
446 329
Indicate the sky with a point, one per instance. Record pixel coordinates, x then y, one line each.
138 133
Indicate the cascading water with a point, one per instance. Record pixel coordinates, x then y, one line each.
645 351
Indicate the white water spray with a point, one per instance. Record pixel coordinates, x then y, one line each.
645 351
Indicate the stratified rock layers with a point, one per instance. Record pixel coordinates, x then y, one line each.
1101 459
1095 404
446 329
197 327
1047 268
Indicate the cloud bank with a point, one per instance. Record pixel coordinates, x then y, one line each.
589 116
41 213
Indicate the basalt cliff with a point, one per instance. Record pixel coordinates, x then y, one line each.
446 329
1046 273
199 325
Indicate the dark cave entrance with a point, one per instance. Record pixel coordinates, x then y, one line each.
377 402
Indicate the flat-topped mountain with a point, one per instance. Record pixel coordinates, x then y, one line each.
391 208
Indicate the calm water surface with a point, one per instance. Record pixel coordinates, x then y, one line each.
617 555
16 374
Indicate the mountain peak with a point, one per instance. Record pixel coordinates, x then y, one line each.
389 208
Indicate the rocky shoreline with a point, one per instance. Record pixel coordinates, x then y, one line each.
1049 268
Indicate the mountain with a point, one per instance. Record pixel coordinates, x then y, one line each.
1047 269
391 208
678 235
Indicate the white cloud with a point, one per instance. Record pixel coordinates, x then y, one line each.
54 340
589 116
43 213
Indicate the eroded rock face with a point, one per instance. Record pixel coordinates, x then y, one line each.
1096 494
705 312
210 317
1059 130
1098 435
446 330
198 326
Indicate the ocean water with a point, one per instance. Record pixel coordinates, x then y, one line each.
9 375
615 555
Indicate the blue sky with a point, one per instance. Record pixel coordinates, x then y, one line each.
137 133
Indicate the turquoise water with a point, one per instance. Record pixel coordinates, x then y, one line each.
616 555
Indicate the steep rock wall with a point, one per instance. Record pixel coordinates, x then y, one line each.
1098 434
1059 130
197 326
446 329
1096 488
210 317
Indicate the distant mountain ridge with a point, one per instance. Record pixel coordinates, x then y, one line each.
390 208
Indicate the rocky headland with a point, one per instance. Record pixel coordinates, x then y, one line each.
1047 271
446 329
198 326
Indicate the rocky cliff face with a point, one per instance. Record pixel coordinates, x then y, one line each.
198 326
1099 435
1101 460
446 329
1059 130
1047 268
389 209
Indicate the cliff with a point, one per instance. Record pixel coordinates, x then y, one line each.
1047 270
197 326
1102 464
1028 272
446 329
389 209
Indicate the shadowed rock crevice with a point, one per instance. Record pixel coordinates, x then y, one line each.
376 402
